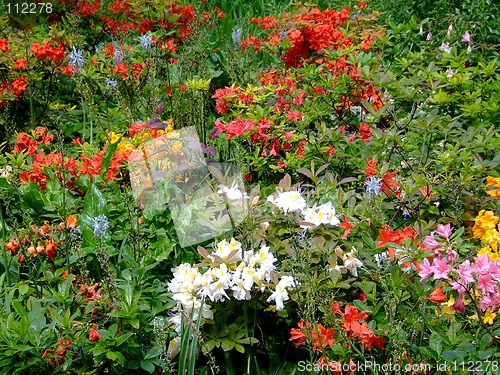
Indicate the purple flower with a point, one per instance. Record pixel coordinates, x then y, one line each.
450 29
450 73
445 47
459 305
466 37
429 36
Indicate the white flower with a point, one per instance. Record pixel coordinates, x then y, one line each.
280 294
5 172
224 250
373 186
324 214
233 193
429 36
466 37
450 73
351 262
289 201
469 49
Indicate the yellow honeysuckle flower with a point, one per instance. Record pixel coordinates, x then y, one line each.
489 317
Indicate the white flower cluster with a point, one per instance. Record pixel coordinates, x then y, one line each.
315 216
232 272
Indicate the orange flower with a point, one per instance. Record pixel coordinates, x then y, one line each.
71 221
94 335
12 246
437 296
347 225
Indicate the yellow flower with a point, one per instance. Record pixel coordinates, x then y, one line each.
492 253
114 137
447 307
495 183
484 228
489 317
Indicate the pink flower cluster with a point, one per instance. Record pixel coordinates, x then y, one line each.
482 276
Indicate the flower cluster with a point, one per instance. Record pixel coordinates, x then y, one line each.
231 272
477 280
375 185
290 201
39 240
351 322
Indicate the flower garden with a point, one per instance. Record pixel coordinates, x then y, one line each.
264 187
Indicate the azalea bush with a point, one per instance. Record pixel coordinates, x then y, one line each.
217 188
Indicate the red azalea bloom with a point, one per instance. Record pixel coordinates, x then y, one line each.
21 64
4 45
94 335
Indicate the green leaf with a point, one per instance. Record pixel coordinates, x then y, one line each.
435 342
148 366
227 345
94 203
154 352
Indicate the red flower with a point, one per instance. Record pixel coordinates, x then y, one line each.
294 115
389 185
371 170
94 335
19 86
298 335
4 45
21 64
347 225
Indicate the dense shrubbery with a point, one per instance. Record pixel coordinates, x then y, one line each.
336 201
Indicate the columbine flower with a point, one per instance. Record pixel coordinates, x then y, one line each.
118 56
466 37
146 41
111 83
236 35
100 225
429 36
450 73
373 186
76 59
445 47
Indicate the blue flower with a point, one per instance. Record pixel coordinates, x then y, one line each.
111 83
236 35
373 186
76 59
100 225
118 56
146 41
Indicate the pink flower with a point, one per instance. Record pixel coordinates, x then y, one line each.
486 284
425 269
445 47
451 255
429 36
482 264
459 287
466 37
490 301
465 272
440 268
444 230
430 242
450 29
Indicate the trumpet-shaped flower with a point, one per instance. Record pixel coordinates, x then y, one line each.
289 201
